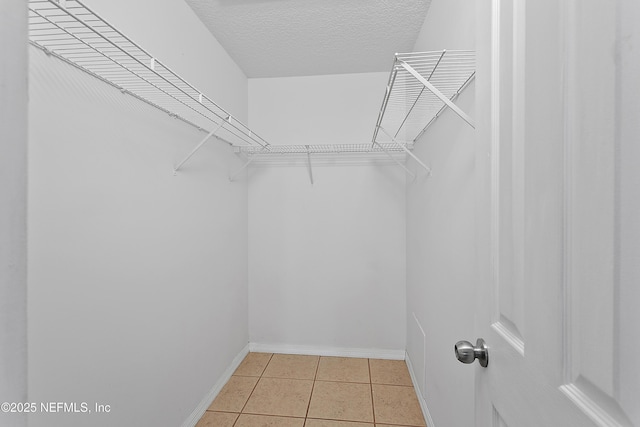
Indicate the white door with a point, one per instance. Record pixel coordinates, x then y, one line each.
558 269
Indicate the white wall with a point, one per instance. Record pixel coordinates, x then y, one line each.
328 109
137 278
13 205
326 261
440 238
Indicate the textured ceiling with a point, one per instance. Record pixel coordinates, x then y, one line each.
279 38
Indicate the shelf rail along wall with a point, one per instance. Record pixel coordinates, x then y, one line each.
70 31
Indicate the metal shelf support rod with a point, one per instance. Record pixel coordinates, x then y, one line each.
404 147
309 164
395 160
248 162
199 146
437 93
453 98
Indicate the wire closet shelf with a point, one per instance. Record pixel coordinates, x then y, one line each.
72 32
322 149
422 85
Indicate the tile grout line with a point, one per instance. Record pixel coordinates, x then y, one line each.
373 409
313 386
344 382
253 389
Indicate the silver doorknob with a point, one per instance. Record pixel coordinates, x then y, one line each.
467 353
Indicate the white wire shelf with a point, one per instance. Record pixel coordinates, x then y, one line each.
323 153
75 34
322 149
412 102
275 154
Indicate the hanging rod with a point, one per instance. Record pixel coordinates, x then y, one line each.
70 31
420 86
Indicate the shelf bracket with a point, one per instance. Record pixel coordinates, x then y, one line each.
199 146
248 162
404 147
309 164
437 93
413 175
453 97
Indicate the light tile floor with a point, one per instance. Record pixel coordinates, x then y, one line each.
283 390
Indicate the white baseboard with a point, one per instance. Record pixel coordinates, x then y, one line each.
197 413
370 353
416 385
